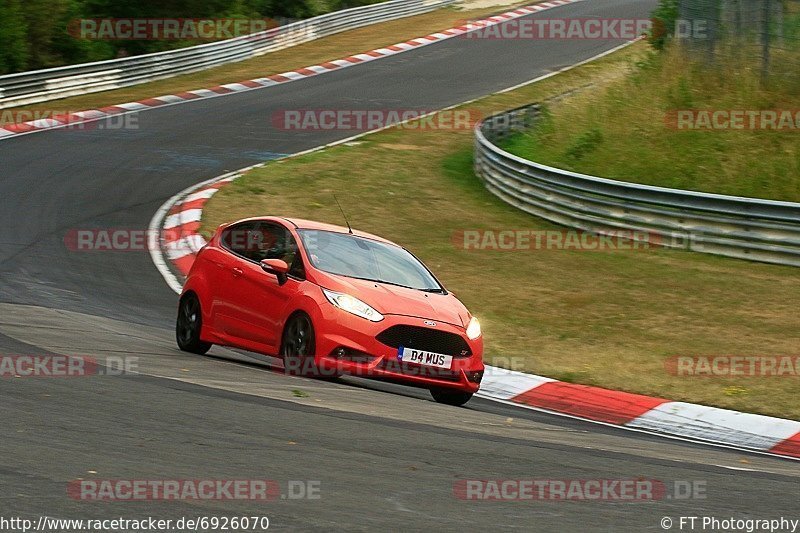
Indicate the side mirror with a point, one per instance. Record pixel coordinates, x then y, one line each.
277 267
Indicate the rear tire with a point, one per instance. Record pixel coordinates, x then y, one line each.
449 397
189 325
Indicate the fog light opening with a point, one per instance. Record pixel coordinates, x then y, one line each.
474 376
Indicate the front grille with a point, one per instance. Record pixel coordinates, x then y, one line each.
427 339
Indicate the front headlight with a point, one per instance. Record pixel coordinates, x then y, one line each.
353 305
473 329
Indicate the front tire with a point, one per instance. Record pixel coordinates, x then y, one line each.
189 325
449 397
298 345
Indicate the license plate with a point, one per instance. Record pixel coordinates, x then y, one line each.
421 357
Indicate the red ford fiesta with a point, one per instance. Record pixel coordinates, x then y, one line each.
330 301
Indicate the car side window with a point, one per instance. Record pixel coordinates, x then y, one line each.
280 244
257 241
239 239
296 267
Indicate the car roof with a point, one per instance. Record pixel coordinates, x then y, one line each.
300 223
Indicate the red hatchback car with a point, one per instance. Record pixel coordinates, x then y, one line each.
330 301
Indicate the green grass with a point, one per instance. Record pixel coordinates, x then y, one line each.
608 319
621 132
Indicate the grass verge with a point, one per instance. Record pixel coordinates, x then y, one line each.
629 130
315 52
609 319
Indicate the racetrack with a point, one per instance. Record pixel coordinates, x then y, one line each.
385 461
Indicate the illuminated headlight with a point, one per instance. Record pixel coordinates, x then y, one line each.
345 302
474 329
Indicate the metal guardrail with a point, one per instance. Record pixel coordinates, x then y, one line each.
745 228
50 84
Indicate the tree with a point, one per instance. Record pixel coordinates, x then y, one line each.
35 33
44 19
13 35
664 18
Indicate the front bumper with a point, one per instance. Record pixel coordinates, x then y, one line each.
347 344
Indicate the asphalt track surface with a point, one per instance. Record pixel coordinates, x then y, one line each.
386 456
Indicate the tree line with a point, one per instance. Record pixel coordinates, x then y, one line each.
35 34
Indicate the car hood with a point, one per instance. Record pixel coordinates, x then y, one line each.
393 300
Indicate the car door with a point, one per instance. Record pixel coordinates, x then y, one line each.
228 308
258 300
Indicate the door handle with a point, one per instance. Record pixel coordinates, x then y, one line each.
237 272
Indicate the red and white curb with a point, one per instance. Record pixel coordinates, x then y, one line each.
179 221
174 237
654 415
180 238
83 117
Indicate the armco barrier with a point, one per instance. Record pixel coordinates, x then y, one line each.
745 228
50 84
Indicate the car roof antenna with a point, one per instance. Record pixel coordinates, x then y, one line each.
349 229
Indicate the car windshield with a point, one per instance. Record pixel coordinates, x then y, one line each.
356 257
